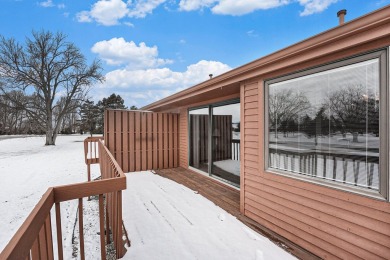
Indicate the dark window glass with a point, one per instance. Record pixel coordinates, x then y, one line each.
198 139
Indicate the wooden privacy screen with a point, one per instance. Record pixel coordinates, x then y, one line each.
141 140
222 137
222 132
199 139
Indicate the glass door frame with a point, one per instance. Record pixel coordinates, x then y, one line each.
210 140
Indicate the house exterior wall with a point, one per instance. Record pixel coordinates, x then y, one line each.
329 222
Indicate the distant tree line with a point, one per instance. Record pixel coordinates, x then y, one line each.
92 115
85 116
347 110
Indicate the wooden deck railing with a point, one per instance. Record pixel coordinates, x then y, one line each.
91 152
34 238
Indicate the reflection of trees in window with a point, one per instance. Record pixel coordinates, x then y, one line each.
284 108
348 110
354 110
318 126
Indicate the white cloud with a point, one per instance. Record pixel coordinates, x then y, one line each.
141 87
241 7
84 17
128 24
119 52
230 7
163 77
315 6
110 12
48 3
192 5
252 33
141 8
105 12
141 79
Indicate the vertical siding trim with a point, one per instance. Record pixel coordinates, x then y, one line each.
242 148
261 122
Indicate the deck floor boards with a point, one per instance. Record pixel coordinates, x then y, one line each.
228 198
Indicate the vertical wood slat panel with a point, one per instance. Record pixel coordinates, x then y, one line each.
118 137
137 142
175 136
149 141
131 142
42 243
111 131
59 231
160 142
144 140
35 250
125 141
165 143
101 222
170 141
155 141
49 238
81 229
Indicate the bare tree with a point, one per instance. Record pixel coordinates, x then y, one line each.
286 105
354 111
51 68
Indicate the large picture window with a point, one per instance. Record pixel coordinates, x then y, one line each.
329 123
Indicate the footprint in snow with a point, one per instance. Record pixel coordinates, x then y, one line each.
259 255
251 234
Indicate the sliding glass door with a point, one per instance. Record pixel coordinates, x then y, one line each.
198 138
226 143
214 140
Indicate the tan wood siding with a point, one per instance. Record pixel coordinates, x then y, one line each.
328 222
183 138
142 140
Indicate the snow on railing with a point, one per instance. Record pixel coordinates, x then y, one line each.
34 239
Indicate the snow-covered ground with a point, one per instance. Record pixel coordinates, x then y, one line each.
28 169
164 220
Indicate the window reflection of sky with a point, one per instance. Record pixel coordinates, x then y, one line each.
231 109
318 86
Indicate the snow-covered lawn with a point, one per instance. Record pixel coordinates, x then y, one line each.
27 169
164 220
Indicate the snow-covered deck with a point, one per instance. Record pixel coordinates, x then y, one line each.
166 220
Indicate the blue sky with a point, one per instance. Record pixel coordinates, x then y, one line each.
152 48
